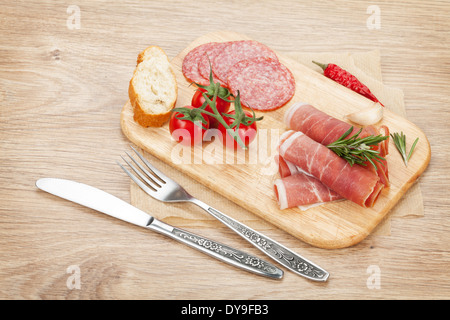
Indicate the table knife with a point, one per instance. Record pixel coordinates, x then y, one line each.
104 202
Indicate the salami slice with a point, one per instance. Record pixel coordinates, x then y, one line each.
236 51
190 64
205 63
263 83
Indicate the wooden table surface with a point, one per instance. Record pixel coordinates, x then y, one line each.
64 82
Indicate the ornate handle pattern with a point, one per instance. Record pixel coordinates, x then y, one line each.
218 250
276 251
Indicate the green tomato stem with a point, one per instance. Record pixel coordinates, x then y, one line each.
218 116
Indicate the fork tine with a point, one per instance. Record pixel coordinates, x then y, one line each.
150 175
161 176
137 181
142 176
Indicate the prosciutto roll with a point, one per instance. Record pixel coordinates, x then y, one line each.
303 191
285 168
296 188
350 182
325 129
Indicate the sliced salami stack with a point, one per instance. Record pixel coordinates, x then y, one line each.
264 83
206 61
190 67
245 66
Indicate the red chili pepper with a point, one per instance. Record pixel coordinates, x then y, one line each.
346 79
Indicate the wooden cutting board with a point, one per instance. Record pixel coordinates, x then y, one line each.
246 178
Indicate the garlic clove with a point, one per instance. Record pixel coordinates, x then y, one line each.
367 116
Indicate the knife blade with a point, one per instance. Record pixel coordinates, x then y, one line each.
104 202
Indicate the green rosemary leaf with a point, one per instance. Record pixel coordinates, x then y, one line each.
400 143
412 148
358 150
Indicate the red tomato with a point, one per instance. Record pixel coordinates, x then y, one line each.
221 105
185 131
246 132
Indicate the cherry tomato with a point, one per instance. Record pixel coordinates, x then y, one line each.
221 105
246 132
185 131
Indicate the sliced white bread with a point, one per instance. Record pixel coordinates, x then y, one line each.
153 88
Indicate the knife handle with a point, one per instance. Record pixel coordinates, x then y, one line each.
273 249
218 250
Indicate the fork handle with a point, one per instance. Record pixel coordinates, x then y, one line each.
218 250
276 251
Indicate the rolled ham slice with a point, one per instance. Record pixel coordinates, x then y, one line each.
286 168
296 188
325 129
350 182
303 191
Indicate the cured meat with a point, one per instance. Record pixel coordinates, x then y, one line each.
382 166
236 51
316 124
325 129
351 182
264 83
246 66
300 190
205 63
191 61
287 168
304 191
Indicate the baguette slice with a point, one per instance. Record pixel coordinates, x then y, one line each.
153 88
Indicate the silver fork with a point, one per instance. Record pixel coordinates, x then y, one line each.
159 186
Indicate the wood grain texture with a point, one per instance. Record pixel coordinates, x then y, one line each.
333 225
61 95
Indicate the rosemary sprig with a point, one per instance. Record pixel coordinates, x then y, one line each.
358 150
400 143
214 91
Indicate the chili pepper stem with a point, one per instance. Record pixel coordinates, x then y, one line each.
322 65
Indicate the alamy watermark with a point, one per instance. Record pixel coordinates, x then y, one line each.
374 279
260 152
374 20
74 20
74 280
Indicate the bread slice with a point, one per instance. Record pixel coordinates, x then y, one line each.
153 88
